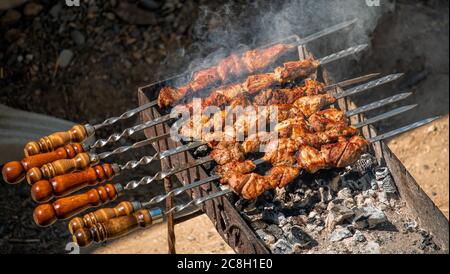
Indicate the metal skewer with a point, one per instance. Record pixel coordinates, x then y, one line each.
356 111
80 132
325 60
45 214
85 233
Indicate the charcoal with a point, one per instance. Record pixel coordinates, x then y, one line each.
296 235
272 216
275 231
281 247
358 236
337 214
266 237
258 224
369 217
340 233
365 164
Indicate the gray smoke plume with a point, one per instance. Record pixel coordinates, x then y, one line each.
237 26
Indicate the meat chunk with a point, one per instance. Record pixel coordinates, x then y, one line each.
327 119
204 78
311 104
168 96
258 59
226 152
228 169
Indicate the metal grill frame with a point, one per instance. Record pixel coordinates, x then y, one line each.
227 220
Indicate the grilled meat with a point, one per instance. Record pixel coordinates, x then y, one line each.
226 152
288 95
228 169
253 84
340 154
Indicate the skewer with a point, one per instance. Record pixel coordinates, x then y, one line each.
81 161
325 60
14 172
46 214
62 185
142 218
79 132
84 229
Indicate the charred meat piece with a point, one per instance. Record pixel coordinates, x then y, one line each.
258 59
228 169
283 175
296 69
226 152
357 145
281 152
310 159
326 119
204 78
168 95
253 142
257 82
311 104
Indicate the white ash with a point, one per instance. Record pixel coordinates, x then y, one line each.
340 233
339 209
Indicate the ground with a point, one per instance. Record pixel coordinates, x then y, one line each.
115 50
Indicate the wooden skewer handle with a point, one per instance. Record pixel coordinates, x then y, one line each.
58 167
102 215
113 228
49 143
14 172
62 185
47 214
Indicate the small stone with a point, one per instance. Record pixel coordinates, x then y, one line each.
432 129
111 16
266 237
29 57
78 37
10 17
32 9
191 238
64 58
55 10
127 64
281 247
19 58
150 4
340 233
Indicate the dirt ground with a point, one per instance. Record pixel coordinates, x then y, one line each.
116 53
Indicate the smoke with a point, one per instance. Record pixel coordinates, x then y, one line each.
237 26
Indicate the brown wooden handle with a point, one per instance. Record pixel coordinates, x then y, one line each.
62 185
47 214
49 143
102 215
113 228
58 167
14 172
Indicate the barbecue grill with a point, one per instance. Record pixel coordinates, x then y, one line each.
222 212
